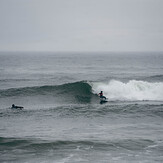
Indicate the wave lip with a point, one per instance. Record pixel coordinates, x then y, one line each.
133 90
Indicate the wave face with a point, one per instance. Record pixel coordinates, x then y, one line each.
133 90
77 89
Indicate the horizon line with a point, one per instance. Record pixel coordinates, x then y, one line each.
50 51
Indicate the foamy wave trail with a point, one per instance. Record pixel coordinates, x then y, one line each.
133 90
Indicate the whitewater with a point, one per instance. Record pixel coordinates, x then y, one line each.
133 90
63 120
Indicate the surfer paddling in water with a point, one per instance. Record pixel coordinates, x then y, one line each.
101 95
16 107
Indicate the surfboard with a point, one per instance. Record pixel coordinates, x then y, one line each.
103 100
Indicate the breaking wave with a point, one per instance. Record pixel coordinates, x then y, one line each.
133 90
114 90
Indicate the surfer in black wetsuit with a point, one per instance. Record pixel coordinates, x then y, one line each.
16 107
101 95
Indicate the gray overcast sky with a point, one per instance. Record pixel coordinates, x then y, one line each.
81 25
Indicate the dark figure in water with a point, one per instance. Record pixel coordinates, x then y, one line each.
16 107
101 95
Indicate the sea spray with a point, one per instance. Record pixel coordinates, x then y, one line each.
133 90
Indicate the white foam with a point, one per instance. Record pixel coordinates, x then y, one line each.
130 91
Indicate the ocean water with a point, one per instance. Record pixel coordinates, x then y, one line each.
63 120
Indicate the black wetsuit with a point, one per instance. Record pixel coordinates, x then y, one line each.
101 95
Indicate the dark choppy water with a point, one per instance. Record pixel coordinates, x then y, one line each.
63 120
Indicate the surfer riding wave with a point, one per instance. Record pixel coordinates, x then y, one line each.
101 95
